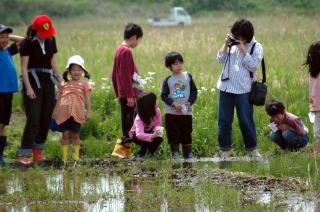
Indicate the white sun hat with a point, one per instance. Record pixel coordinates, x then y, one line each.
76 59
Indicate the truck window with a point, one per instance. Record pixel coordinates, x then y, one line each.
182 13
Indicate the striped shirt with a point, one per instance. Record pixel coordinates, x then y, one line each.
240 66
71 102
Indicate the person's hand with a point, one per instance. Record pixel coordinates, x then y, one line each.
130 102
311 101
283 127
88 116
187 105
242 47
177 106
155 134
31 94
227 40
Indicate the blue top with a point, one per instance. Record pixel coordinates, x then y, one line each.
8 73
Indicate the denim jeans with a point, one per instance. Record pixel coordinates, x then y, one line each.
227 103
289 139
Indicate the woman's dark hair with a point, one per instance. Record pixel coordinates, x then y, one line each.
171 58
243 28
145 106
274 107
31 33
65 74
313 59
132 30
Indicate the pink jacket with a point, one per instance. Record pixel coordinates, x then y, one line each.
139 129
314 93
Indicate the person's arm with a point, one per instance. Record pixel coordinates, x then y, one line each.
141 135
88 101
16 38
55 68
125 74
193 91
165 92
222 54
252 62
25 77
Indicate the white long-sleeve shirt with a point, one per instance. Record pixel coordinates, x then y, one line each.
239 68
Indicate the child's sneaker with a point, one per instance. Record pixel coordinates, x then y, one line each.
24 160
255 154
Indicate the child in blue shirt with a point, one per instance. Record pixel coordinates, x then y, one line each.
9 80
179 93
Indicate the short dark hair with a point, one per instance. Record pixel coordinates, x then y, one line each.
243 28
172 57
132 30
274 107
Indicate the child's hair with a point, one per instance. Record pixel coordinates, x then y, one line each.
243 28
146 107
132 30
173 57
65 74
274 107
313 59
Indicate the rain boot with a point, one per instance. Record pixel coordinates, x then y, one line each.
3 143
64 150
175 151
142 151
75 152
187 151
37 155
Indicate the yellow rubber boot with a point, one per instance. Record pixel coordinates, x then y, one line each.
64 150
75 152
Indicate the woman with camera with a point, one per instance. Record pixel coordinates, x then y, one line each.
241 55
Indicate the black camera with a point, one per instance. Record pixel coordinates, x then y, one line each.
233 41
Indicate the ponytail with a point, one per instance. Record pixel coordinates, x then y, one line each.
65 76
86 74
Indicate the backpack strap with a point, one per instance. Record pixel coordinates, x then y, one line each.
264 77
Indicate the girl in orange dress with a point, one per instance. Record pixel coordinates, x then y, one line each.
74 97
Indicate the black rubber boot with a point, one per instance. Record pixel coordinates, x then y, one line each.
187 151
142 152
3 143
175 151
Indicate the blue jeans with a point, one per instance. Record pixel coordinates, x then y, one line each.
289 139
227 103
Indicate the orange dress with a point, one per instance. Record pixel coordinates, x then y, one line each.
71 102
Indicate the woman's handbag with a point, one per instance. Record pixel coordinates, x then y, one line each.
259 90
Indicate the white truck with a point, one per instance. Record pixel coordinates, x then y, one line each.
178 17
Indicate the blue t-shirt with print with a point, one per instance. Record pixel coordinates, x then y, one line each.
8 73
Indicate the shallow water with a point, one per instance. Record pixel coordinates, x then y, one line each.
164 190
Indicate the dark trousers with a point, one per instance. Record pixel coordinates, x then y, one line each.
38 113
151 147
289 139
179 129
227 103
127 116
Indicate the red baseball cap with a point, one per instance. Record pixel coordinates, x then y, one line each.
43 25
